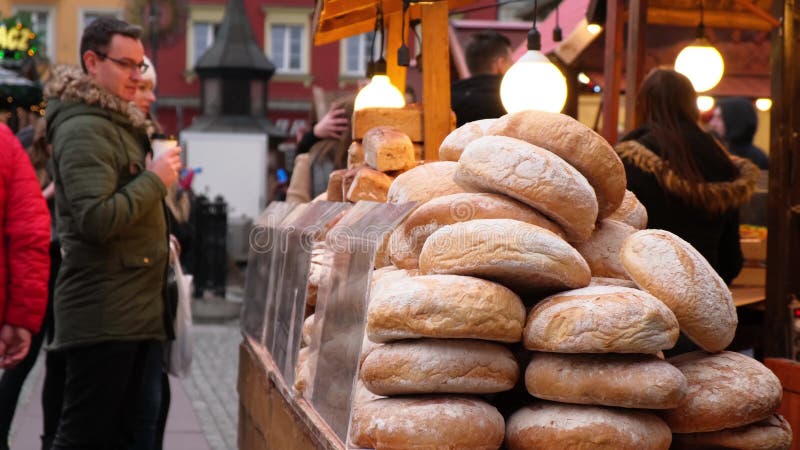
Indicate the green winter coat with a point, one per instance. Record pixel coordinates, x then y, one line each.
110 215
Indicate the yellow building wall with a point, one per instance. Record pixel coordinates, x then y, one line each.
67 21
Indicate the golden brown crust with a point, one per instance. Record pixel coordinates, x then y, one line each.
601 251
631 211
386 148
424 182
773 433
455 142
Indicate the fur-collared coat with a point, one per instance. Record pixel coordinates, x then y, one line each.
110 216
705 214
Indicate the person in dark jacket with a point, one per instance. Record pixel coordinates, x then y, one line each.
488 56
735 121
109 301
687 181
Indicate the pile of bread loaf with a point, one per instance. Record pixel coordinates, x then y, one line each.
532 211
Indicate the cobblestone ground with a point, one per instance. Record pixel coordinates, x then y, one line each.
212 383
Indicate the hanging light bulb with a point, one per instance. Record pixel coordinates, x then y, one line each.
380 92
533 82
705 103
763 104
700 61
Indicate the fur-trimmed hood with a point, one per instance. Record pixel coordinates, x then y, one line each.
71 85
716 197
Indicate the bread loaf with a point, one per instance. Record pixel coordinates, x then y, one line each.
424 182
302 371
454 143
576 143
524 257
408 120
603 281
369 184
628 381
439 366
631 211
726 390
335 191
426 423
773 433
444 306
308 329
557 426
533 176
601 251
672 270
454 208
389 274
355 155
386 148
601 319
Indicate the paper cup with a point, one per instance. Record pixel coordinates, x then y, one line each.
162 145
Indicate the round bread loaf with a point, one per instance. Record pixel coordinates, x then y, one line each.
424 182
445 306
455 142
603 281
455 208
533 176
439 366
631 211
558 426
524 257
389 274
672 270
601 251
425 423
601 319
773 433
629 381
577 144
308 329
726 390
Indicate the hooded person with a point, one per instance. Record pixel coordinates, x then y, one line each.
735 120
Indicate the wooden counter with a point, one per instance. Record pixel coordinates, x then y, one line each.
270 415
747 295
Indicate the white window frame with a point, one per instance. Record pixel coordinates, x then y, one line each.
343 71
200 13
49 42
83 12
289 16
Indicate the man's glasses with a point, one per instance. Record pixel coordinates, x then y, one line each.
131 66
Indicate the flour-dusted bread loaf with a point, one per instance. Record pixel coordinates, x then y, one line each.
444 306
577 144
628 381
601 251
524 257
603 281
388 274
355 155
454 208
302 372
369 184
631 211
773 433
557 426
601 319
726 390
427 423
533 176
386 148
439 366
455 142
308 329
424 182
672 270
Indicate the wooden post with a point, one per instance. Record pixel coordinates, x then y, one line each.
783 219
637 42
435 77
395 31
612 69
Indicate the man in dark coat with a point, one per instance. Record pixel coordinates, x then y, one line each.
735 120
488 55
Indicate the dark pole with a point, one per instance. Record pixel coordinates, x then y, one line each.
154 23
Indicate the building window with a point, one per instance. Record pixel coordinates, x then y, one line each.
204 33
355 53
41 22
203 23
287 39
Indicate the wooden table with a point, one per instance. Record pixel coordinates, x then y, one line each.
747 295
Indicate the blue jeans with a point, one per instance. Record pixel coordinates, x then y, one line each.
112 396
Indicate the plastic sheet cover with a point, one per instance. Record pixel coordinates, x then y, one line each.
342 308
262 239
288 280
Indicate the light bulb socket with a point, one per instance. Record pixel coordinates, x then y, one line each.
379 68
534 39
701 31
403 56
558 35
370 69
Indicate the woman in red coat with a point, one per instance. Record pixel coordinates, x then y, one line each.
24 257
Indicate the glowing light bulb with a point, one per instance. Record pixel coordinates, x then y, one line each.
533 82
764 104
705 103
379 93
702 64
594 28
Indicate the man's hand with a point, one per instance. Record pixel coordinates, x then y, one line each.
166 166
14 345
332 125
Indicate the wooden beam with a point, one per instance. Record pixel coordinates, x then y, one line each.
767 17
712 19
396 31
343 32
612 69
435 77
637 44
